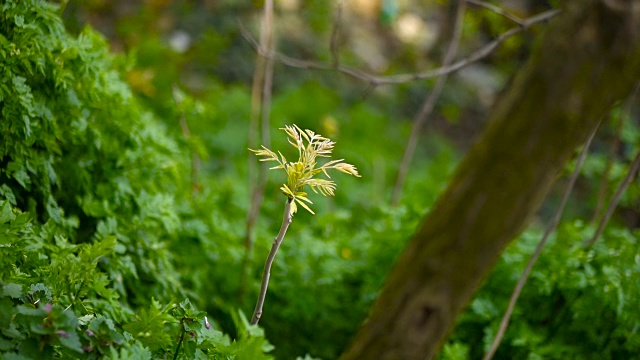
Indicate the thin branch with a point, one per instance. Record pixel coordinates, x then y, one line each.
176 352
268 77
186 133
334 45
378 80
550 228
428 105
497 10
604 183
286 221
260 109
631 173
613 149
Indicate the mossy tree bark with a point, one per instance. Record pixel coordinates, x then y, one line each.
588 60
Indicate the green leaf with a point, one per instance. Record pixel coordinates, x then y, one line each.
70 340
14 356
12 290
84 320
149 326
6 214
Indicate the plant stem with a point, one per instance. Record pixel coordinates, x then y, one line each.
260 110
186 133
613 150
550 228
286 221
628 179
175 354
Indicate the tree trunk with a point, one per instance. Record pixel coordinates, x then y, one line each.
588 59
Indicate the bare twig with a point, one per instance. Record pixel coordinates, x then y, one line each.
497 10
286 221
428 105
613 149
195 159
604 183
268 76
631 173
550 228
334 45
260 109
377 80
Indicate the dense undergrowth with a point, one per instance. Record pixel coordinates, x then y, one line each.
111 247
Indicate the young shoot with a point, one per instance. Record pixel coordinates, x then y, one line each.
300 174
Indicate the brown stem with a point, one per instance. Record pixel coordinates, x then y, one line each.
286 221
550 228
631 173
334 42
260 111
195 159
428 106
613 150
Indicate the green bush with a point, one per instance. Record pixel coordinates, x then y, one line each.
90 207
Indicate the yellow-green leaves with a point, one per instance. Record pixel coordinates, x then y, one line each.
302 172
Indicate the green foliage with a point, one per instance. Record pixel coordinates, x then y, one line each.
88 207
576 304
107 223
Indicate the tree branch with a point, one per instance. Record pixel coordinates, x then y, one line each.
286 221
260 109
613 149
377 80
498 11
631 173
428 105
550 228
334 45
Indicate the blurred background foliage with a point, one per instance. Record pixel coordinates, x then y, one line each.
125 184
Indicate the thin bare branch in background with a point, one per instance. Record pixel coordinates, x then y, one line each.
334 45
631 173
260 111
613 150
378 80
267 86
428 105
497 10
195 159
550 228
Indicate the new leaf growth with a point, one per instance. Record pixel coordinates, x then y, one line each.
302 172
299 174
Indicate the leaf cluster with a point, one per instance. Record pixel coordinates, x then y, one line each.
302 172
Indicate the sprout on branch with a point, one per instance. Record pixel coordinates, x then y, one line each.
303 171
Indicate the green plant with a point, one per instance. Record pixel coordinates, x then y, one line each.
93 203
299 174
